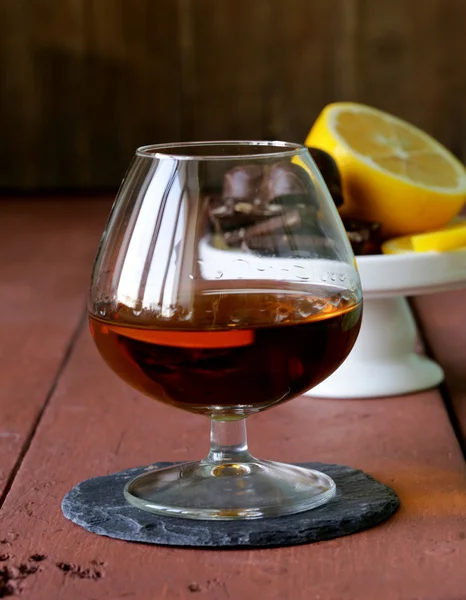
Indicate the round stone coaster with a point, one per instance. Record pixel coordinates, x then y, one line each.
361 501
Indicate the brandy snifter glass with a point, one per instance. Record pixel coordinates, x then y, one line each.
225 285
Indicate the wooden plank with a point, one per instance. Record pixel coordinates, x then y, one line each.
100 77
61 148
409 64
303 65
84 82
95 424
47 248
18 106
227 51
443 319
132 60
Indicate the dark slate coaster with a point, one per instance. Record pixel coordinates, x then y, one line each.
99 506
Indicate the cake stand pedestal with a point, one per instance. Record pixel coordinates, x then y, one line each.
384 361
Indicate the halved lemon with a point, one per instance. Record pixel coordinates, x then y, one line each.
392 172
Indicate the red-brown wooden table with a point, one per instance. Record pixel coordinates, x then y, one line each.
64 417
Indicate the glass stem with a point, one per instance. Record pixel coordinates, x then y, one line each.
228 442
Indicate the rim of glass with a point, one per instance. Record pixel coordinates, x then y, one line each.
278 148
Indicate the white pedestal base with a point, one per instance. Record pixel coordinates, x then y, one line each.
383 361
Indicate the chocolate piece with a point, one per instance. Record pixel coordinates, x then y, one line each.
260 185
265 207
286 235
331 175
363 236
243 184
227 215
287 179
273 225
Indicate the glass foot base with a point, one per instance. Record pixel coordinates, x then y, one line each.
248 489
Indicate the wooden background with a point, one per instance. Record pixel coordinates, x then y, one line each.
83 82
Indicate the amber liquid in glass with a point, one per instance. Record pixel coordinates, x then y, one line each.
244 353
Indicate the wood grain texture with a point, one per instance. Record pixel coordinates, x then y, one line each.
47 249
18 109
94 424
409 58
444 324
84 82
227 51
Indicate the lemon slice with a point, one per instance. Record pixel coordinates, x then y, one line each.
452 237
392 172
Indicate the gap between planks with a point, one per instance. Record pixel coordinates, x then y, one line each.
443 387
28 441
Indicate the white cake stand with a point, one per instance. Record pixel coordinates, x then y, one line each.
383 361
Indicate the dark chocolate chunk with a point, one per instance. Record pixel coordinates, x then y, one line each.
259 185
331 175
363 236
264 207
267 227
285 179
227 215
244 184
